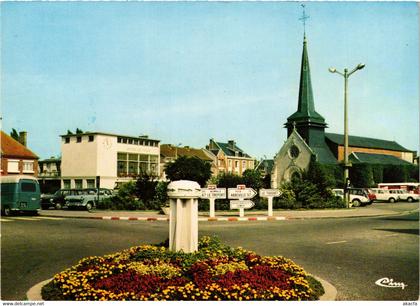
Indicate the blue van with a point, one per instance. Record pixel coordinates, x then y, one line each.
19 193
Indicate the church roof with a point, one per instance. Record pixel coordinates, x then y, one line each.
306 108
324 155
365 142
381 159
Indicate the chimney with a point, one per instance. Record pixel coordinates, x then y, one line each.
231 144
22 138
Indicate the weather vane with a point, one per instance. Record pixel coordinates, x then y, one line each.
303 18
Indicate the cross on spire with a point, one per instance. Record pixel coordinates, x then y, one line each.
303 19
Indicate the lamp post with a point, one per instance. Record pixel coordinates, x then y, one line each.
346 76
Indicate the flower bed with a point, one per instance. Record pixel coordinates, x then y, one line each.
214 272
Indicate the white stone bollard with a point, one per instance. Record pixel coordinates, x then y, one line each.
183 216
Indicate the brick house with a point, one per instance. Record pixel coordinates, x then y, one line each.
230 158
16 158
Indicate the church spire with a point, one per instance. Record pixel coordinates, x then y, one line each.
306 119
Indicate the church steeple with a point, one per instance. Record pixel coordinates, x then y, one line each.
305 118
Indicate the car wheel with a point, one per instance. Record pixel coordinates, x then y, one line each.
356 203
57 206
6 212
410 199
391 200
88 206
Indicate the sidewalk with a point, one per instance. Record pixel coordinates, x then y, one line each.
377 209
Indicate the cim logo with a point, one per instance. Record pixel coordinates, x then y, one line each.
389 283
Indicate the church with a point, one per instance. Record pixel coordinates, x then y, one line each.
307 139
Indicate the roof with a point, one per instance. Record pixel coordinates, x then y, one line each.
168 150
306 107
16 178
324 155
49 160
364 142
225 147
108 134
266 164
382 159
13 148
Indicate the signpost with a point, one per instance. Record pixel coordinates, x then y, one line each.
270 194
212 193
241 193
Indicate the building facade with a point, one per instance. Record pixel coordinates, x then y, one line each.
111 159
230 158
16 158
49 174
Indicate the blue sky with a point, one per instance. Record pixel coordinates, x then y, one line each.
185 72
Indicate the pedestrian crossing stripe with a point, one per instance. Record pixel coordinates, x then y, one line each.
5 220
29 219
25 219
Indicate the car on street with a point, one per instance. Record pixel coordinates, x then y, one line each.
88 198
385 195
404 195
57 199
356 199
363 192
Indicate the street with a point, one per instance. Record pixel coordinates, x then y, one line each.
350 253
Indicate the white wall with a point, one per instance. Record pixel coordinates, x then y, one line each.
79 159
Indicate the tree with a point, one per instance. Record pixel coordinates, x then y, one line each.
146 187
69 132
253 179
15 135
228 180
79 131
189 168
361 175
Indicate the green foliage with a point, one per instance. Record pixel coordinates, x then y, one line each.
252 179
361 175
79 131
228 180
69 132
378 174
161 194
395 174
125 199
146 187
189 168
14 134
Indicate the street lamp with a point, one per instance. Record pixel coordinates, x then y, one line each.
346 76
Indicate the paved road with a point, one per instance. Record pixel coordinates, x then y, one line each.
351 253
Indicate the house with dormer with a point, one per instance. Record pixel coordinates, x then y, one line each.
230 158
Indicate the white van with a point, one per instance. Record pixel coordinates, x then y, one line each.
355 199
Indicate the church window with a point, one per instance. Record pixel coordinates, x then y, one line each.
294 152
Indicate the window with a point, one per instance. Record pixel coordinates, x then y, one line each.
130 164
230 163
91 138
79 138
119 140
243 164
67 140
66 184
13 166
78 184
90 183
28 187
28 167
236 164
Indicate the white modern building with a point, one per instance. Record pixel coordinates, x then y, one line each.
113 159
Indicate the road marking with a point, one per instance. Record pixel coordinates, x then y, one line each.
391 235
335 242
49 218
5 220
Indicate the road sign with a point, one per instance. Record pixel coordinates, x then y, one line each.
245 193
213 193
266 193
241 204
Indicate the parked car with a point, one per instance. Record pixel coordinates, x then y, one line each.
404 195
385 195
57 199
19 193
363 192
356 200
88 198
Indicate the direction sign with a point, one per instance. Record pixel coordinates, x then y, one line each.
266 193
213 193
246 193
238 204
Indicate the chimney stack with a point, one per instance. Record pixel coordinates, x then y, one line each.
231 144
22 138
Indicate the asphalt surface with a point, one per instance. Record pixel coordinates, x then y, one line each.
350 253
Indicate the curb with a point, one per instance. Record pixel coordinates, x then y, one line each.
330 291
202 219
34 293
